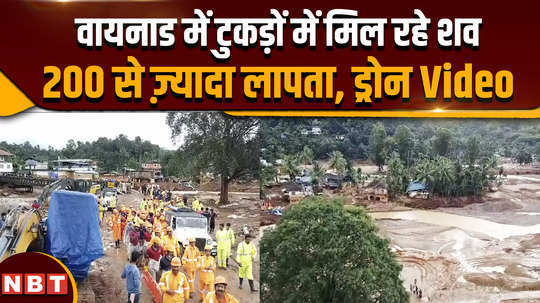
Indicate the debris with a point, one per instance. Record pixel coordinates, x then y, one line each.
235 217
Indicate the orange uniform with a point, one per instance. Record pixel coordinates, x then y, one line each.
207 268
190 261
116 225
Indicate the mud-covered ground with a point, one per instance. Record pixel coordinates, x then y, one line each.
105 274
483 252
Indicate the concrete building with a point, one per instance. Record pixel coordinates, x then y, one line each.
5 164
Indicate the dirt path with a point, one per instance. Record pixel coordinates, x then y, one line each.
105 274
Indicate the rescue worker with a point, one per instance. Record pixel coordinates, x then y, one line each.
147 233
134 236
230 237
207 269
245 254
116 226
222 242
123 217
220 295
174 284
154 253
101 210
190 261
142 206
170 239
157 223
165 261
180 203
195 205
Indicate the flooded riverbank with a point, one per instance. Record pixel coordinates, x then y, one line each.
479 253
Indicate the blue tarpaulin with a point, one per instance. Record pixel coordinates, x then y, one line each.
73 234
416 186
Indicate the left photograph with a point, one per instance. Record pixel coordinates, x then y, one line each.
140 207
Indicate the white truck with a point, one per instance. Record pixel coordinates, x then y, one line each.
186 224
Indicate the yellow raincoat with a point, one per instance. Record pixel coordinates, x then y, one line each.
222 242
178 284
171 241
230 237
211 298
207 268
245 254
190 262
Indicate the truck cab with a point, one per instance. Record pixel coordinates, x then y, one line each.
186 224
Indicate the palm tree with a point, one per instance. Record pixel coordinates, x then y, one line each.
290 166
338 162
317 175
306 156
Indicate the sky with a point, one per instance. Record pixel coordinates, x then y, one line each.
47 128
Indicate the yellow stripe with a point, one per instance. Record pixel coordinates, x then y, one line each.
73 284
510 114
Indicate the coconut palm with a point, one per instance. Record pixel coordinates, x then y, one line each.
317 175
306 156
338 162
290 166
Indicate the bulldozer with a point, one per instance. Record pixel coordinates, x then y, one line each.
25 228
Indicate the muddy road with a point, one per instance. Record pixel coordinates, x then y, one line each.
105 273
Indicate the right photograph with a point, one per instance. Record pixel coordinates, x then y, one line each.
400 210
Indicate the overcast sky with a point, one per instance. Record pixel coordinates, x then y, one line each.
46 128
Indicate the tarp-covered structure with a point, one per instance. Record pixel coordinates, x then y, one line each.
73 234
416 186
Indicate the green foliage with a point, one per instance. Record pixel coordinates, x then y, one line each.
320 252
396 176
218 144
377 145
523 156
268 175
448 178
338 162
352 137
291 166
441 142
473 149
317 175
110 154
306 156
405 142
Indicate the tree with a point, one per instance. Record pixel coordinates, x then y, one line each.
441 142
317 175
320 252
523 156
290 166
268 175
338 162
473 150
377 144
70 150
306 156
405 143
396 176
219 144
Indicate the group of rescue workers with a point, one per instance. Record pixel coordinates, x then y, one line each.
147 235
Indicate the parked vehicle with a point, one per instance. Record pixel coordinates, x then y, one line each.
186 224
